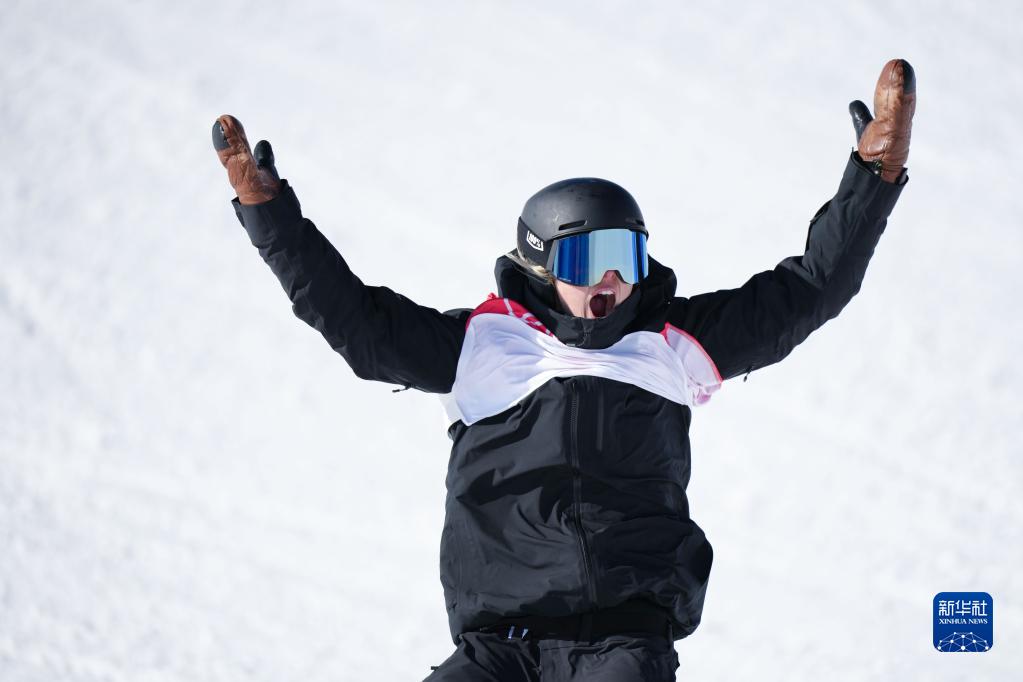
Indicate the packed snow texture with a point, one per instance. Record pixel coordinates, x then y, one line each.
193 486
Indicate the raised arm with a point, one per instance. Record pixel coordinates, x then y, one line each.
760 323
381 334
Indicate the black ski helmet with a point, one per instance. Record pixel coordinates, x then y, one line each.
569 207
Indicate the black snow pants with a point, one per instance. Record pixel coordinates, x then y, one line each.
514 654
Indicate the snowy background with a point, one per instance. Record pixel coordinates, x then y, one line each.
193 486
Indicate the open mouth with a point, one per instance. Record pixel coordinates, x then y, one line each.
601 303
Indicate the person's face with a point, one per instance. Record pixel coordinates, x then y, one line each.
596 301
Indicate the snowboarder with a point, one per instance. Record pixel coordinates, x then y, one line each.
568 552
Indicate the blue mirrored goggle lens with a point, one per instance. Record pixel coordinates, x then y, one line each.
582 259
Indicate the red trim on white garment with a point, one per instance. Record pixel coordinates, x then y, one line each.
506 306
664 333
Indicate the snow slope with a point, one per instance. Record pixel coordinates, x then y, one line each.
194 487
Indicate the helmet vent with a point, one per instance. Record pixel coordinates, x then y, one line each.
569 226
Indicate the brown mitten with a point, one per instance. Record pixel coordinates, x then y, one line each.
884 141
254 179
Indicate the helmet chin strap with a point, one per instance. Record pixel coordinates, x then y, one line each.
540 288
546 293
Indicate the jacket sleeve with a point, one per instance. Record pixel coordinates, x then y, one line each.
381 334
760 323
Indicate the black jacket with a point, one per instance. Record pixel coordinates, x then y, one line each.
574 498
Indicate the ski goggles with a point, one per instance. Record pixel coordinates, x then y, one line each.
582 259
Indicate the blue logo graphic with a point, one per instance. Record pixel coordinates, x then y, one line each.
963 621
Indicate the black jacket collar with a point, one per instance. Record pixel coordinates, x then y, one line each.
642 310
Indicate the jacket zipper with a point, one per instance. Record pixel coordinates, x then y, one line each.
577 488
